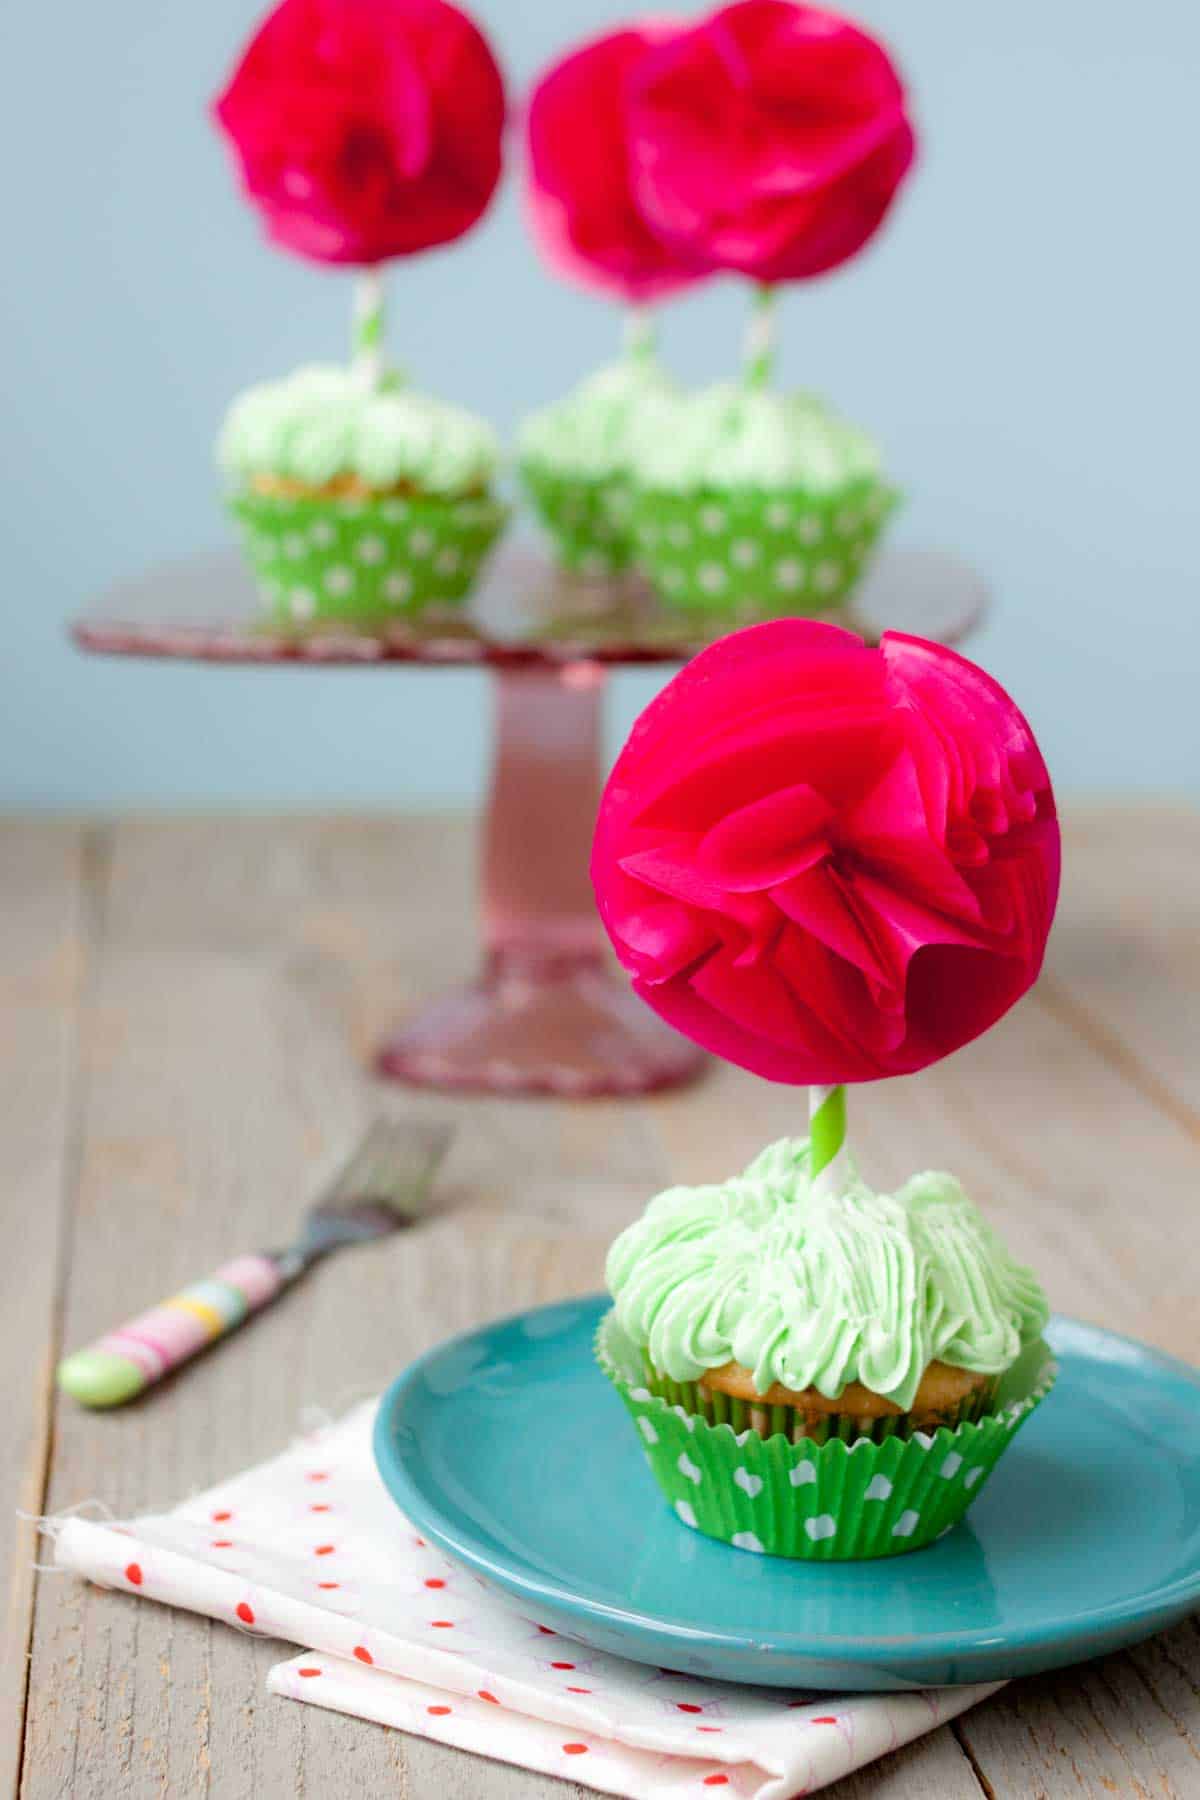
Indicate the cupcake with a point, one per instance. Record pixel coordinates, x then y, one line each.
359 501
821 1377
574 461
753 502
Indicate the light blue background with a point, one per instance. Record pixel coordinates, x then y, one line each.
1022 340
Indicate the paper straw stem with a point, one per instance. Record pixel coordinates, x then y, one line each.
641 332
368 327
760 338
827 1140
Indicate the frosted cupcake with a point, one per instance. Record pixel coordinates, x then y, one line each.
359 502
817 1377
574 460
755 502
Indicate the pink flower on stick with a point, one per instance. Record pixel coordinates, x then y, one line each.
579 198
770 139
366 129
829 863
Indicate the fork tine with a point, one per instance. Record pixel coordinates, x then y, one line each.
392 1157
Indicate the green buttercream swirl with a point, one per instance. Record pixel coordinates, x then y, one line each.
324 420
590 433
734 436
813 1292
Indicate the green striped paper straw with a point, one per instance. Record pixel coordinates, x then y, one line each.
640 333
368 327
759 351
827 1140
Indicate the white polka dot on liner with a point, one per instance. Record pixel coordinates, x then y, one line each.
804 1474
906 1524
826 577
397 587
322 534
688 1468
778 515
809 529
823 1526
712 578
447 561
370 549
679 535
393 511
338 580
789 574
686 1513
744 553
750 1485
746 1540
646 1427
293 544
713 519
951 1466
420 541
302 603
878 1488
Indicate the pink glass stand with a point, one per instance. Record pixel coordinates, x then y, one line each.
544 1014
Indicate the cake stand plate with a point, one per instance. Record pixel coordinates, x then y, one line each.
508 1449
544 1014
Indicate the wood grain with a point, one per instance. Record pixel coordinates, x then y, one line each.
230 964
1124 961
42 904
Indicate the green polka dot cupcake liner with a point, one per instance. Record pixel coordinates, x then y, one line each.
757 553
364 562
835 1501
588 520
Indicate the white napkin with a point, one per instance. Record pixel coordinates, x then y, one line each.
309 1547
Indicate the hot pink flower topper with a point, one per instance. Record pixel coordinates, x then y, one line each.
770 138
578 167
828 863
366 129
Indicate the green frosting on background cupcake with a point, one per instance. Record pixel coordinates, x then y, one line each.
589 434
734 436
323 421
812 1292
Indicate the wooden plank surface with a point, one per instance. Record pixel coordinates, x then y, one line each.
44 915
231 963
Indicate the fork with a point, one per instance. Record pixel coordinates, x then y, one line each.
384 1186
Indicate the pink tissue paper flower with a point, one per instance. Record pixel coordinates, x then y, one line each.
366 129
825 862
578 165
770 138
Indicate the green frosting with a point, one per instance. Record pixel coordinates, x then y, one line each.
324 420
590 433
813 1292
735 436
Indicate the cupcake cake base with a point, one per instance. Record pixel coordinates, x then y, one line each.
823 1502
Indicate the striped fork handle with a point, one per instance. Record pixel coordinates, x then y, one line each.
127 1360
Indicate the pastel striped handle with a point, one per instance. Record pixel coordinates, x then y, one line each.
125 1361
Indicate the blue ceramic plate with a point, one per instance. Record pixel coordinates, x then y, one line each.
508 1448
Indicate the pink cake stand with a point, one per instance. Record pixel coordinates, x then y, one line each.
545 1013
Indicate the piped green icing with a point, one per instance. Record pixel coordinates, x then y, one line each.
812 1292
590 433
324 420
734 436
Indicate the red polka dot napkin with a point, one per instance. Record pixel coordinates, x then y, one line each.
310 1548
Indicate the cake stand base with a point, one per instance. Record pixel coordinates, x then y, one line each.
568 1029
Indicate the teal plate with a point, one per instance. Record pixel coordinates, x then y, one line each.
508 1449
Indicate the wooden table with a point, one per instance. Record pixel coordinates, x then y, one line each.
186 1006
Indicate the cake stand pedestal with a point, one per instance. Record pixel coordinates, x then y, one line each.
544 1014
